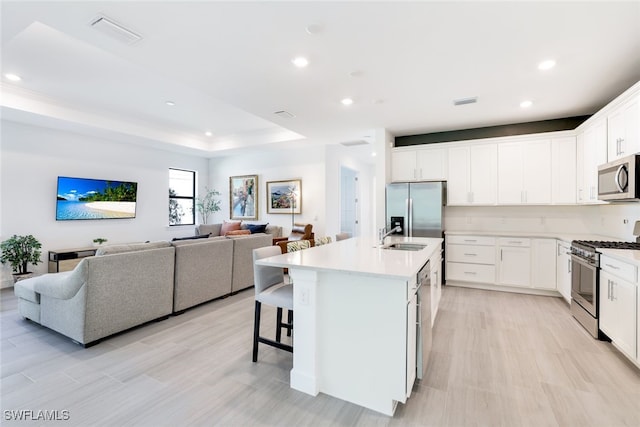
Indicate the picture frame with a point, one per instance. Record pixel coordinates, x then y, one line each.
243 197
279 197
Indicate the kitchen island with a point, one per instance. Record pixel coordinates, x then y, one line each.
354 329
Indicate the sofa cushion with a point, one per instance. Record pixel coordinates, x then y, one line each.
228 226
116 249
238 233
202 236
256 228
211 229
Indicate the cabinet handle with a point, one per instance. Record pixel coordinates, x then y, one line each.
470 240
609 289
470 272
569 266
470 254
515 242
612 267
500 254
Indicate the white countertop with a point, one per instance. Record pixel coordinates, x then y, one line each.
626 255
566 237
360 255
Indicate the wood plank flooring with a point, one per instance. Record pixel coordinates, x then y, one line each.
498 359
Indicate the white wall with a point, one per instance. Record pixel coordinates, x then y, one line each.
33 157
604 220
306 163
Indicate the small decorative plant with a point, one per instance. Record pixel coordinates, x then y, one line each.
20 251
99 240
208 204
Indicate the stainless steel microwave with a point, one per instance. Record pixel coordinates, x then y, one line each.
620 180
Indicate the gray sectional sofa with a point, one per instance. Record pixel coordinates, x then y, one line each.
127 285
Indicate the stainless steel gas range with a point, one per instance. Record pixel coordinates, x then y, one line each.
585 280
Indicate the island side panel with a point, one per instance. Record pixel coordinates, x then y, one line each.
304 375
362 339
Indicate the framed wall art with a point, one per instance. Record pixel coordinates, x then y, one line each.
284 197
243 197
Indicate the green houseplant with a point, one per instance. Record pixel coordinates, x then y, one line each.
208 204
99 240
20 251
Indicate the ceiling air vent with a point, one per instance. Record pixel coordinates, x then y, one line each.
284 114
114 30
354 143
464 101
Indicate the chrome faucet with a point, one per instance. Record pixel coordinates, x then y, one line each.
396 229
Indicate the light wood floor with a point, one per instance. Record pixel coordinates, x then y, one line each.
498 359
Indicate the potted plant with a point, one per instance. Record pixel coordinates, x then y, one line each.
208 204
99 240
20 251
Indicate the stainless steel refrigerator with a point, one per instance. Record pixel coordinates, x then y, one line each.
417 207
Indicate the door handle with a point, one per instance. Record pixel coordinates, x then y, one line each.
617 178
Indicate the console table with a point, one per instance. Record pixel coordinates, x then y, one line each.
67 259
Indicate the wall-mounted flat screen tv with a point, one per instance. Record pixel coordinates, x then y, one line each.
83 198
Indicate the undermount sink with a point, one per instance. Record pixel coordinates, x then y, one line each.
405 246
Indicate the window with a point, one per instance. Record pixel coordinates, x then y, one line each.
182 197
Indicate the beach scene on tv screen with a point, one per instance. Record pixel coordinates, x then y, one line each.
81 198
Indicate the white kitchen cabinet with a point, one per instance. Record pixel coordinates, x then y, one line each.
472 175
471 259
514 262
623 130
618 316
412 329
543 264
418 164
563 171
563 269
591 152
524 172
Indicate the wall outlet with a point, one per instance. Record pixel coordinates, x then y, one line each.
304 296
625 221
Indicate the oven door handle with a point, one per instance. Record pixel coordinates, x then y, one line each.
581 261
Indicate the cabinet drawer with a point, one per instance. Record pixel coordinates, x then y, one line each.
472 254
628 272
514 241
471 272
472 240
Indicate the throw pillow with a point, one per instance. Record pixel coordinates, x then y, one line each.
228 226
257 228
238 232
202 236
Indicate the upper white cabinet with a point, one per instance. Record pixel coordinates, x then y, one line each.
591 152
418 164
472 174
524 172
563 171
624 130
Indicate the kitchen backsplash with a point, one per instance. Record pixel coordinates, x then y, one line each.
606 220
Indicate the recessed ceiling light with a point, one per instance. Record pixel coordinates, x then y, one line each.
373 154
547 65
300 61
170 103
208 133
526 104
13 77
347 101
313 29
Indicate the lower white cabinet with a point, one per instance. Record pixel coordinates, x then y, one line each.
618 300
514 266
509 262
543 264
618 312
412 330
563 269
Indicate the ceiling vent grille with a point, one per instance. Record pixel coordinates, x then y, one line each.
284 114
354 143
114 30
464 101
